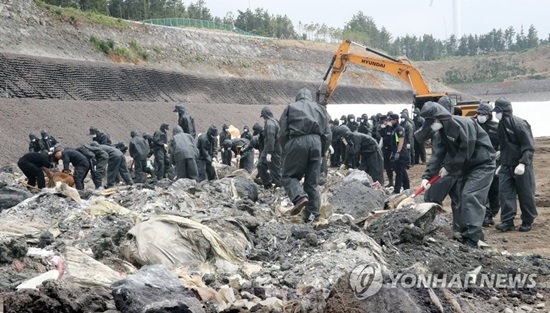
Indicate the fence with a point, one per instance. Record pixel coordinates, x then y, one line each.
189 22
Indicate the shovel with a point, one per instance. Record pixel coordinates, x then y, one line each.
422 189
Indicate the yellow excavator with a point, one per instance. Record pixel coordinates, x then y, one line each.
400 68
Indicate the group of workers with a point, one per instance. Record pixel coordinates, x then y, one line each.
465 155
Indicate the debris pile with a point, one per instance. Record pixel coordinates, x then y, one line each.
225 246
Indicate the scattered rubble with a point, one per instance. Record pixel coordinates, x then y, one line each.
225 246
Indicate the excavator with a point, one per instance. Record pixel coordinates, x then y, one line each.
400 68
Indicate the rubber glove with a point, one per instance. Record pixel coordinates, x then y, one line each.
331 149
268 157
520 169
498 170
497 155
443 172
425 184
408 146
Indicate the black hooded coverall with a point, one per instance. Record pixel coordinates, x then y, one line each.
206 146
305 136
81 166
408 125
516 146
372 161
243 147
102 139
31 165
116 165
162 163
99 163
183 154
270 172
465 147
386 135
419 148
139 150
491 128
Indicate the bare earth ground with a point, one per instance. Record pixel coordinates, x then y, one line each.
535 241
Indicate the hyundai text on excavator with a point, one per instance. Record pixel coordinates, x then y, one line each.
399 68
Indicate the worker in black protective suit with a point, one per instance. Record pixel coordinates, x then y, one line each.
206 143
98 160
372 161
515 174
399 155
376 124
485 120
184 154
448 185
419 147
33 165
352 123
336 156
269 164
464 147
47 142
305 137
408 125
365 126
224 135
99 137
160 150
246 133
78 160
385 132
244 152
139 150
116 165
227 153
185 121
34 144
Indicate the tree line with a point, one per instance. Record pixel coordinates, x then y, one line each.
361 28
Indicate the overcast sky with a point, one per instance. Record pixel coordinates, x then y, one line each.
401 17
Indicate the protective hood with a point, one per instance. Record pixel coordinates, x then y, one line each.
336 122
364 117
416 111
164 127
257 127
133 134
212 131
93 130
350 117
179 108
177 130
227 143
44 134
484 108
94 144
504 105
32 136
343 131
266 112
435 110
446 102
406 111
225 127
304 94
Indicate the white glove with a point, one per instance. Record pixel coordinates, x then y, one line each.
214 160
381 143
268 157
520 169
344 141
497 155
498 170
443 172
331 149
238 157
342 167
408 146
425 184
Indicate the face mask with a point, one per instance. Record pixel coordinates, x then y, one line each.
46 137
436 126
33 140
401 120
383 126
94 135
177 113
499 116
352 120
415 115
481 119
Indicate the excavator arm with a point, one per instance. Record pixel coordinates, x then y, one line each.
399 68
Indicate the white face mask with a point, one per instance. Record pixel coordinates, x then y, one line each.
94 135
33 140
499 116
482 119
46 137
436 126
352 120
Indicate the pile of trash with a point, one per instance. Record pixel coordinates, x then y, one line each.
227 246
